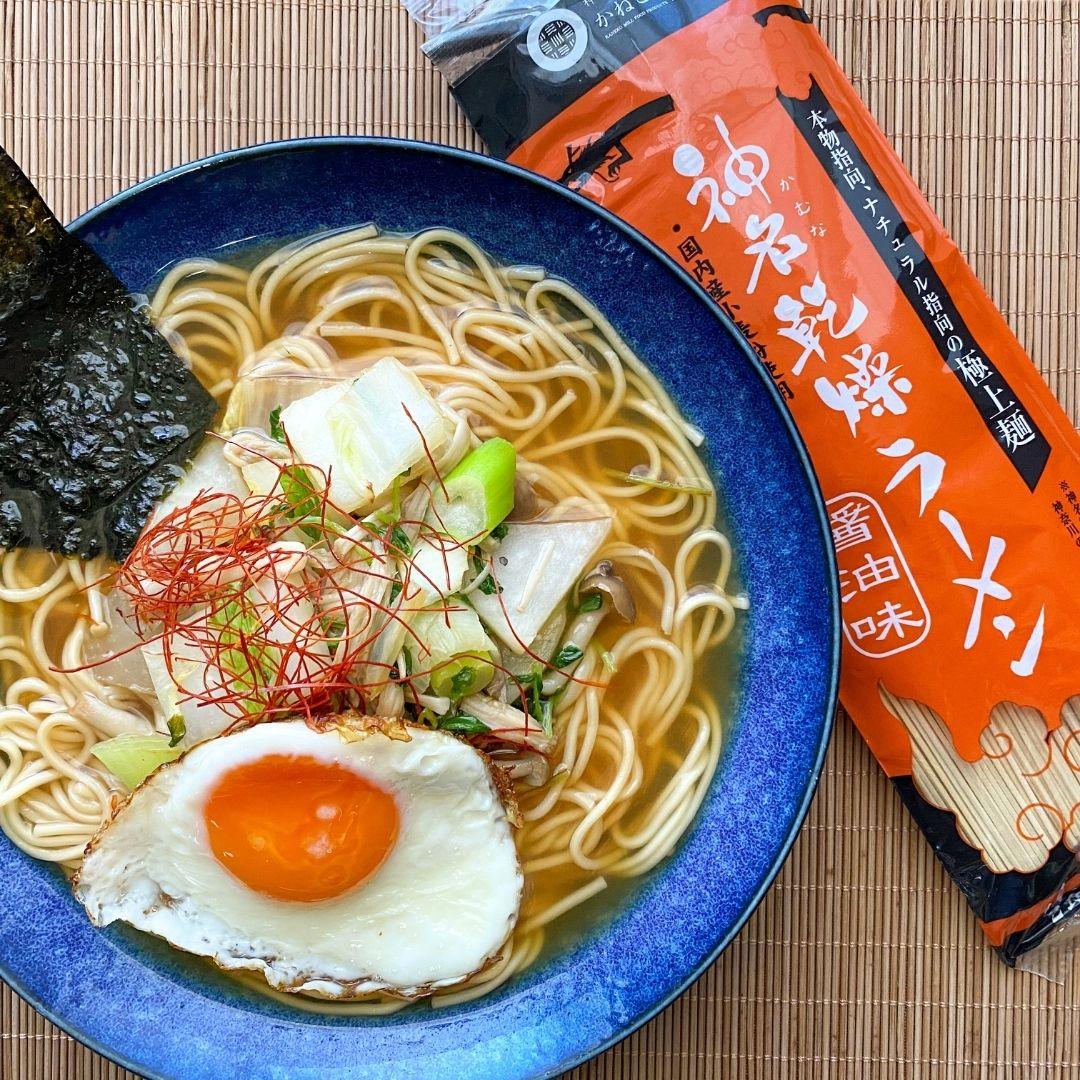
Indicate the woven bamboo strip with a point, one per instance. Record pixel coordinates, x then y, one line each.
863 961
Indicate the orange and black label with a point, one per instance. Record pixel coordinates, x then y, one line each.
1009 422
727 134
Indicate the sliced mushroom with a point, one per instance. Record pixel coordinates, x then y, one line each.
259 458
508 723
527 768
527 503
603 579
614 596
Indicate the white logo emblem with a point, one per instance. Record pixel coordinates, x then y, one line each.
556 40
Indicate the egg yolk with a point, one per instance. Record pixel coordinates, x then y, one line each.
294 828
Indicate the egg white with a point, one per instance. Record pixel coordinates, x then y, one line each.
438 909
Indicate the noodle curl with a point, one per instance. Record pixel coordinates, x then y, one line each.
522 356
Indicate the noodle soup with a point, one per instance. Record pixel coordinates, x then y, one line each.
623 689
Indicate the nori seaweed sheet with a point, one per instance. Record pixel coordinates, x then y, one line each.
97 413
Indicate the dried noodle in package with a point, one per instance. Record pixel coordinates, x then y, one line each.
727 133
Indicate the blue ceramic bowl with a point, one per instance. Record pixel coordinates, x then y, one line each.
166 1015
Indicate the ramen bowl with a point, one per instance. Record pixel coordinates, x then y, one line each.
629 951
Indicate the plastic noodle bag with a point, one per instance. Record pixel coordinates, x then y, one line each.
728 134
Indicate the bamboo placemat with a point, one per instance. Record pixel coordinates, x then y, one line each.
863 960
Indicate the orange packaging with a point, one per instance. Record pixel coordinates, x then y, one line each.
726 132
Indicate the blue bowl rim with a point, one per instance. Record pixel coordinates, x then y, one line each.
225 157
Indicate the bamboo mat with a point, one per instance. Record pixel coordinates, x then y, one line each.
863 960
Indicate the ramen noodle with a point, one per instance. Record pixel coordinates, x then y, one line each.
728 135
627 708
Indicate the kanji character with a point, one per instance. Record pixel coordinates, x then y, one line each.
995 395
689 248
1015 430
781 251
854 177
872 384
894 619
868 575
943 324
874 572
972 368
849 524
716 290
803 323
841 158
829 139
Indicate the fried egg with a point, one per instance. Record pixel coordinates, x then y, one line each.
335 863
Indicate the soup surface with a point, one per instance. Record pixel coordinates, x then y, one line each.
625 687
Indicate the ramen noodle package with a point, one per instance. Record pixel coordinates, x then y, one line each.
728 134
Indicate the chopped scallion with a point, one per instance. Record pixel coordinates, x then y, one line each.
301 498
462 724
131 758
535 704
547 717
567 655
488 585
478 493
452 645
461 676
400 540
277 429
177 730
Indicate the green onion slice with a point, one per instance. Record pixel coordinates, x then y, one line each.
132 757
478 493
